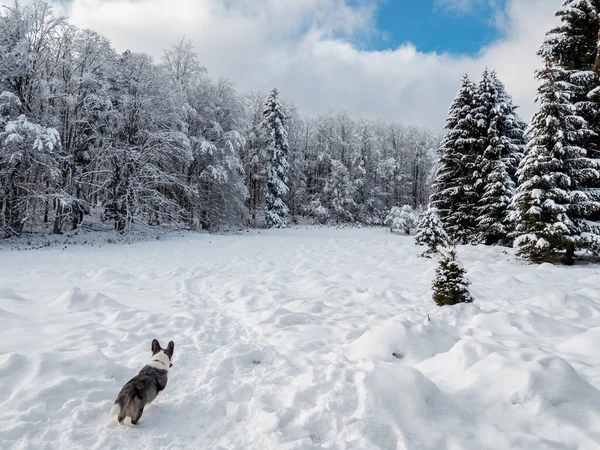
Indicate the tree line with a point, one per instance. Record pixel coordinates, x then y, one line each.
92 136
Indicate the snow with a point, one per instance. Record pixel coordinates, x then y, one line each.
297 339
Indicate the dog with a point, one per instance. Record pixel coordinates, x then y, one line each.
145 386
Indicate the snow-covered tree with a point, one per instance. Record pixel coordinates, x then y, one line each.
500 145
431 233
450 286
81 101
572 47
557 207
151 146
339 193
277 167
362 172
402 218
454 192
297 128
547 195
30 160
215 175
181 61
253 155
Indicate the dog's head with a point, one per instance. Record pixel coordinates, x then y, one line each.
163 355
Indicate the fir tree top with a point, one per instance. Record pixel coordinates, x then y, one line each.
453 182
572 45
274 120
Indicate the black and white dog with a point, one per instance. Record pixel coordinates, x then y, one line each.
145 386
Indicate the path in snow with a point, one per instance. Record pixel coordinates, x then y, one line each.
285 340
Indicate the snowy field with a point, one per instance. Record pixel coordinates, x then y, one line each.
286 340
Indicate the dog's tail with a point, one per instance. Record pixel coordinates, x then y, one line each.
119 405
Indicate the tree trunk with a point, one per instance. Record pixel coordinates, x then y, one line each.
121 214
570 254
58 218
596 67
46 204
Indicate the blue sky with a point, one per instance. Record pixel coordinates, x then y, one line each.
438 25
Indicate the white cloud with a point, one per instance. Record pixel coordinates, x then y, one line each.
304 47
465 5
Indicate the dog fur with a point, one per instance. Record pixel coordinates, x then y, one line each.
145 386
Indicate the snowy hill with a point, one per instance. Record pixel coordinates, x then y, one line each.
297 339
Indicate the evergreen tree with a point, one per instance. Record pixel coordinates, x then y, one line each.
573 48
450 286
430 233
455 196
500 146
277 169
557 207
546 197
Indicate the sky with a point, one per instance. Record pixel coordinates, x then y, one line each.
437 26
399 60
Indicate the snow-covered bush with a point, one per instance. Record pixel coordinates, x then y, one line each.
317 211
401 218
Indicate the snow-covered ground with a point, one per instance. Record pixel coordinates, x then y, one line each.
285 340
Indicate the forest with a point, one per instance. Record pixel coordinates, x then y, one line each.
93 138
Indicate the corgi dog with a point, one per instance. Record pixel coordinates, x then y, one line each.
145 386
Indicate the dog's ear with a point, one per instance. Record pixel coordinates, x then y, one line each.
155 347
170 348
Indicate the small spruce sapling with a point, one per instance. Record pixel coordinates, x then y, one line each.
450 286
431 233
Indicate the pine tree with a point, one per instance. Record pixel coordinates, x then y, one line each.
500 146
545 198
430 233
277 170
450 286
454 196
557 207
573 47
